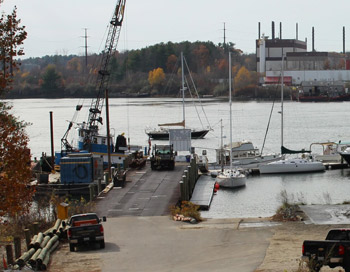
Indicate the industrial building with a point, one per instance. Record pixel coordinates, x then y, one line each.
300 65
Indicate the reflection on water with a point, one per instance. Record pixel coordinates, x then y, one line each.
262 194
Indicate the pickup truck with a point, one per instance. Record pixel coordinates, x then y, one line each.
85 228
334 251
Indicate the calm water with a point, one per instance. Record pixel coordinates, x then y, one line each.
304 123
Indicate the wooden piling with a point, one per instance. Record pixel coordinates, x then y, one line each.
17 243
91 190
99 186
27 235
185 182
35 228
9 254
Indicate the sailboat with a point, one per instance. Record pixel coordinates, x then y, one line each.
163 132
233 177
295 165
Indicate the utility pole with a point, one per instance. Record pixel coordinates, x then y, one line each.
224 45
85 47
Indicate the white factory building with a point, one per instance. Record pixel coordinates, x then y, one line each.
299 64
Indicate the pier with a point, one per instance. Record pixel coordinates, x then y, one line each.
203 192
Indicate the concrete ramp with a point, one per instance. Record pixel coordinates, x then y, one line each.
327 214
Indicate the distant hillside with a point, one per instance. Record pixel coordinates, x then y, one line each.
151 71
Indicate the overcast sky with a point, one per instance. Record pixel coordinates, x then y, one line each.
57 26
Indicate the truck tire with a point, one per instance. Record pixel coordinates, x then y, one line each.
102 244
152 165
172 165
71 247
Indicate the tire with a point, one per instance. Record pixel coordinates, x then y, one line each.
102 244
152 165
71 247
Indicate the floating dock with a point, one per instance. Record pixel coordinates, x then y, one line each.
203 192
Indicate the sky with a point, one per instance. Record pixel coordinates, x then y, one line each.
57 26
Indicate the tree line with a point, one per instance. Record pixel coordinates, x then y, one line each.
150 71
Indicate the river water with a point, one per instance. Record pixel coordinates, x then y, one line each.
304 123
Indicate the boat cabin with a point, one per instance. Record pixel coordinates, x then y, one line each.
240 150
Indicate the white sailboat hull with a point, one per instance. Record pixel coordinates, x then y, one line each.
231 179
253 163
291 166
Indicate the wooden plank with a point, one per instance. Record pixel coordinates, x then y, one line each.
203 191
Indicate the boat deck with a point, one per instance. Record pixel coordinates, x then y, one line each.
203 191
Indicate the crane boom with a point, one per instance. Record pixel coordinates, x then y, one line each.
104 72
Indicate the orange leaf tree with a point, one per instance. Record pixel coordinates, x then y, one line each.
12 36
156 77
242 79
15 192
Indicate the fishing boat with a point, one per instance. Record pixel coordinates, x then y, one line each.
233 177
162 133
291 165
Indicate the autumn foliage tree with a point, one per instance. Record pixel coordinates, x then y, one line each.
15 192
156 77
12 36
243 79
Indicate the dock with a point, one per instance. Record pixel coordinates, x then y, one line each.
203 192
335 165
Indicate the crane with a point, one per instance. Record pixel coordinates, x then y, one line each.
90 128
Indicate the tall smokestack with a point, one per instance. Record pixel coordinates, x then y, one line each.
313 39
259 37
273 30
296 30
280 30
344 40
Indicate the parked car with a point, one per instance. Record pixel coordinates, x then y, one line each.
85 229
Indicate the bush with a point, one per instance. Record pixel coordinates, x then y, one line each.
287 211
187 209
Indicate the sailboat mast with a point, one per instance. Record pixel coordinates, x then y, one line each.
183 88
230 87
222 152
282 84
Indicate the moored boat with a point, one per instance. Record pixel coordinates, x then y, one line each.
244 155
233 177
291 166
162 133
